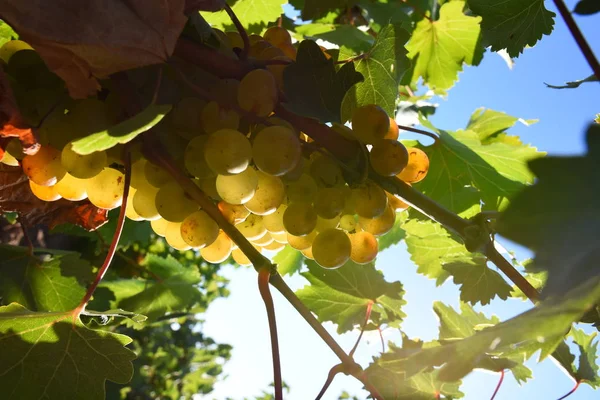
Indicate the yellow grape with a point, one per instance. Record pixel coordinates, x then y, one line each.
258 48
369 199
370 123
417 168
235 39
300 219
396 203
138 174
144 203
199 230
388 157
237 189
44 167
254 38
258 92
156 175
331 248
276 70
129 210
71 188
279 237
194 159
9 159
274 246
252 228
264 240
364 247
159 226
274 222
227 152
301 242
233 213
209 187
45 193
185 116
325 171
174 238
105 190
83 166
11 47
270 53
269 195
379 225
276 150
329 202
324 223
348 222
240 258
173 204
393 132
296 172
219 250
214 118
303 190
277 36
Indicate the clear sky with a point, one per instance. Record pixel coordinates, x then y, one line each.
241 321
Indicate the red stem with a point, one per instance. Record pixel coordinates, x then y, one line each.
362 330
571 392
241 30
498 385
113 245
336 369
381 337
578 36
263 286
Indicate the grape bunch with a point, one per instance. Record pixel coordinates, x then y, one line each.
263 177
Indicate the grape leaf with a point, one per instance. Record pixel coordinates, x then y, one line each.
313 87
439 48
587 370
343 35
587 7
382 68
392 385
288 261
6 33
383 12
342 295
478 283
45 281
314 9
574 84
253 14
51 355
489 124
570 257
123 132
513 24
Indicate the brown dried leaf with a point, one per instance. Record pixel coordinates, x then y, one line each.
15 195
85 40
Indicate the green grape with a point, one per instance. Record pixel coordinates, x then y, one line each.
159 226
277 36
258 92
329 202
252 228
44 167
303 190
15 149
269 195
274 222
417 168
331 248
324 223
388 157
299 219
370 123
227 152
279 237
379 225
274 246
369 199
325 171
194 160
199 230
71 188
45 193
144 203
364 247
174 238
156 175
219 250
276 150
237 189
83 166
209 187
233 213
214 118
129 210
105 190
185 116
263 240
172 203
295 173
348 222
301 242
138 174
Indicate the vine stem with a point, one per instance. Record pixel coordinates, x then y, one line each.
432 135
571 391
498 385
578 36
24 228
242 31
362 329
263 286
113 244
336 369
506 267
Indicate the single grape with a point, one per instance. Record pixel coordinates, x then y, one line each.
240 258
324 223
199 230
45 193
9 159
83 166
370 123
276 150
299 219
329 202
379 225
235 39
194 159
277 36
274 246
159 226
144 202
215 117
331 248
279 237
185 116
219 250
369 199
276 70
348 222
325 171
44 167
270 53
71 188
257 48
393 132
105 190
209 187
258 92
173 204
252 228
15 149
301 242
174 238
237 189
274 222
227 152
264 240
303 190
269 195
364 247
417 168
308 253
156 175
388 157
138 174
129 210
233 213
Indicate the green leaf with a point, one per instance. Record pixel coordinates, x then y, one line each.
587 370
288 261
439 48
382 68
50 281
6 33
123 132
587 7
566 245
513 24
254 15
478 283
53 356
392 385
342 35
574 84
312 85
489 124
314 9
395 235
384 12
342 295
454 325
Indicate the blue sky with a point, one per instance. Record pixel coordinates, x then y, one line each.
563 115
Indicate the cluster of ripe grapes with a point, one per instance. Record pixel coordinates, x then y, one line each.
262 177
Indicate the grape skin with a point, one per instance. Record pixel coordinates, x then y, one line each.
105 190
44 167
199 229
45 193
227 152
71 188
417 168
299 219
369 199
173 204
331 248
370 123
218 251
237 189
258 92
364 247
269 195
388 157
83 166
276 150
